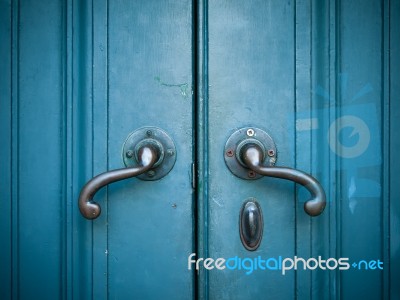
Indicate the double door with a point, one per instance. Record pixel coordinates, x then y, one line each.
311 84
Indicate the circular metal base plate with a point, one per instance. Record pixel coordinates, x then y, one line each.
157 137
240 138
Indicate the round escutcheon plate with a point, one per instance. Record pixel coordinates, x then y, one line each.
238 140
161 140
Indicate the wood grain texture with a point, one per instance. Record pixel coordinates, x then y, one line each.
79 76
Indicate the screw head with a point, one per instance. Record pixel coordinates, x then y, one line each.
251 174
250 132
229 152
151 173
129 153
271 152
170 152
149 133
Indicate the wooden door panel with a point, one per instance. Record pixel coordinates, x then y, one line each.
320 84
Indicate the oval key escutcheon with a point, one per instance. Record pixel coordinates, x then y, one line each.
251 224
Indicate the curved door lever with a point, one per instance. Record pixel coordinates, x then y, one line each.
250 153
252 157
147 156
148 153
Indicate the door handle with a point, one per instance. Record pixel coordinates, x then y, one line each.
252 156
90 209
251 151
143 151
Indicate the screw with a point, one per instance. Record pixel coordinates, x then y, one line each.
229 153
151 173
129 153
170 152
149 133
174 205
251 174
250 132
271 152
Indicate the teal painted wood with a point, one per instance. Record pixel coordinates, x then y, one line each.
150 224
320 159
80 146
140 243
58 96
363 214
33 154
99 23
77 73
202 143
393 163
6 34
332 79
393 143
251 79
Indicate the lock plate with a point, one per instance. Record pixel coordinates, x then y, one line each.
161 141
235 144
251 224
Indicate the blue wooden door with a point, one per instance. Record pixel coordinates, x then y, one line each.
144 78
320 77
80 76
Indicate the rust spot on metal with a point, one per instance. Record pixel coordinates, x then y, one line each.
229 153
271 152
251 174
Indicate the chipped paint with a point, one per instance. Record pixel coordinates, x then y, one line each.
183 87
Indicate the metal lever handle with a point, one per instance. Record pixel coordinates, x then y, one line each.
147 157
252 155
